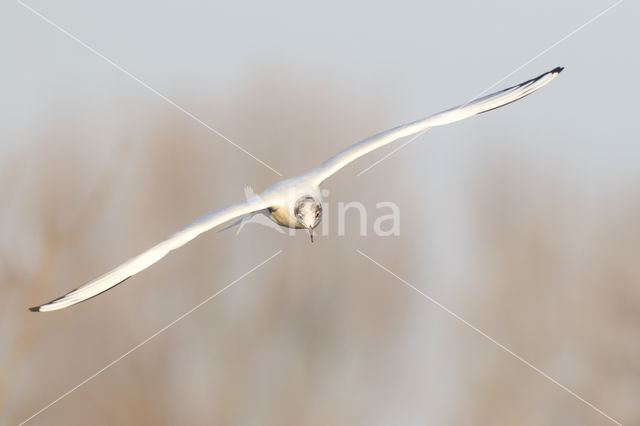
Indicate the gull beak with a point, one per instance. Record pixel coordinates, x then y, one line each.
311 233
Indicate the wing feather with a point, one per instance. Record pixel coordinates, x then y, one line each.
477 106
152 255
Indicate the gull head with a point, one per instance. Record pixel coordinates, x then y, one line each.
308 212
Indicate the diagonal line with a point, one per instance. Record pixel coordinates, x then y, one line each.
500 345
394 151
617 3
149 338
550 47
142 83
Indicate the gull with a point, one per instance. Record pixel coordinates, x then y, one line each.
295 202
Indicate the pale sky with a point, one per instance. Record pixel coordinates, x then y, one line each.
421 56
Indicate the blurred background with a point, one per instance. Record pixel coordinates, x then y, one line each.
523 221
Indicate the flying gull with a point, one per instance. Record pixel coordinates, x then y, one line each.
294 202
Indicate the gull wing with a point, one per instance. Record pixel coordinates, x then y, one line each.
152 255
477 106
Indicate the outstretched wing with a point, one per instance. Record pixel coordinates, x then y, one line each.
477 106
152 255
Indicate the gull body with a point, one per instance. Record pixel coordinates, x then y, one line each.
294 202
289 202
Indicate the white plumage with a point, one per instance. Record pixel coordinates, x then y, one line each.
295 202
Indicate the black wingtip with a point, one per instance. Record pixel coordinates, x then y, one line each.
35 309
557 70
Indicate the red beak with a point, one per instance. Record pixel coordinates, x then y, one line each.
311 233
